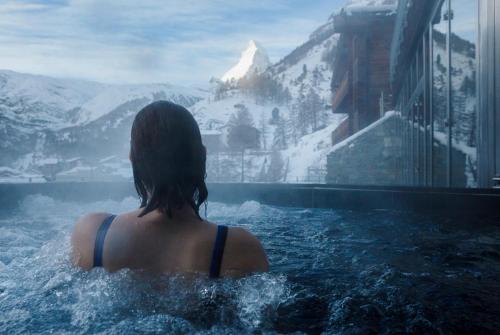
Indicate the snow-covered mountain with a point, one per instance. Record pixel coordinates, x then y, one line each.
47 122
43 102
253 59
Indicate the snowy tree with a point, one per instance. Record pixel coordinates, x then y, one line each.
262 176
313 108
276 167
241 117
287 96
303 117
316 77
263 129
222 90
264 88
292 124
280 142
275 116
303 74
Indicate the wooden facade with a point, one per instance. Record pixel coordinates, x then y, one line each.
361 80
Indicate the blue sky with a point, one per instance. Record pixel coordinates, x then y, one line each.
130 41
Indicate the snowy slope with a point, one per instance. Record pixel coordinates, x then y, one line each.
253 59
209 113
311 151
310 64
47 122
42 101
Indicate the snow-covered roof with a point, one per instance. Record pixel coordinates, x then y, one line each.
353 137
370 6
47 160
107 159
209 132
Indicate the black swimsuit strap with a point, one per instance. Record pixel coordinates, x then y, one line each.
218 252
99 240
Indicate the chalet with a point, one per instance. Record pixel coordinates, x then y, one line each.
243 137
212 140
360 82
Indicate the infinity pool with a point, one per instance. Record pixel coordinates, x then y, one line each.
332 271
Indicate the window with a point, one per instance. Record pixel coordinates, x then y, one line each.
463 37
440 95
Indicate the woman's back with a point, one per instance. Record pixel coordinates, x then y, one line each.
167 233
158 244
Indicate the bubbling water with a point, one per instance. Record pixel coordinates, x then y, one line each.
331 271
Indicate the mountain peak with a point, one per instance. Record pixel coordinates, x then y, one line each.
253 58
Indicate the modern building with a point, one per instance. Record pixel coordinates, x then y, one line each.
360 83
445 75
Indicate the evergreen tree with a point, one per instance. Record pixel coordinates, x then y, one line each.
303 117
292 124
241 117
313 108
280 142
303 74
262 176
316 77
276 167
263 129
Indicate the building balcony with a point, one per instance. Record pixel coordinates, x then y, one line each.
341 94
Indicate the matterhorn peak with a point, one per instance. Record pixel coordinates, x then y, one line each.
253 59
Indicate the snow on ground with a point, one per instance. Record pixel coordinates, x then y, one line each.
311 151
9 175
61 93
211 114
442 138
34 98
311 61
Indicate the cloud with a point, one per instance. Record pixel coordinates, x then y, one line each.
148 41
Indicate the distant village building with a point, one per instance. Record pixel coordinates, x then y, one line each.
275 116
212 140
243 137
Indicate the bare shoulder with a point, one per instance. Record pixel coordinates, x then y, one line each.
243 254
82 239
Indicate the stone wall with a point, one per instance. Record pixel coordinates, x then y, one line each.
376 155
372 156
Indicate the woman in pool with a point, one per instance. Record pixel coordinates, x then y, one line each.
166 234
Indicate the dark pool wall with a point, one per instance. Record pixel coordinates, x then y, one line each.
12 194
485 201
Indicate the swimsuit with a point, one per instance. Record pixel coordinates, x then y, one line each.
217 253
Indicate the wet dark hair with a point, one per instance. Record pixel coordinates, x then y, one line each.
168 159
